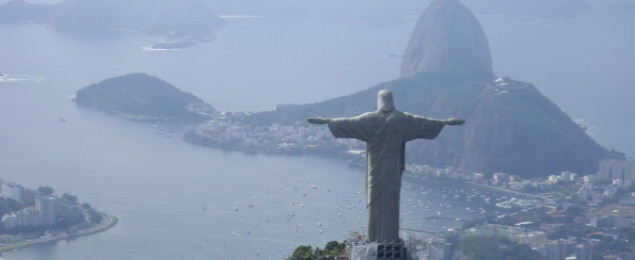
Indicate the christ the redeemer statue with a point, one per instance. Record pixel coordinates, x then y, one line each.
385 132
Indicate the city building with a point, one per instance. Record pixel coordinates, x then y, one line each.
559 249
42 214
46 207
584 251
439 251
613 215
11 191
617 170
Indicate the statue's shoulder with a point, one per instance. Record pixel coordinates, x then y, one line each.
400 114
369 114
413 117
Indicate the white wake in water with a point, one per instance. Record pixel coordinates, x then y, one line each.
18 78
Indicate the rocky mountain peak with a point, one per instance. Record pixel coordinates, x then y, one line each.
447 35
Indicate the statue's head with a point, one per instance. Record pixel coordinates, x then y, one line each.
384 101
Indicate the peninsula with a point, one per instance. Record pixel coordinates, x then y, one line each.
30 217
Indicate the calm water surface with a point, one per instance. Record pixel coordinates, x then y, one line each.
180 201
176 200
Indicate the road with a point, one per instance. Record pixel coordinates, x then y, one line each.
107 223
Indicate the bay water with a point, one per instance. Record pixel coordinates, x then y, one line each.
176 200
180 201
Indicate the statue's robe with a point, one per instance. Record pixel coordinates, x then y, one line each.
385 134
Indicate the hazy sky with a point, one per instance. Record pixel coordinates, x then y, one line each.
36 1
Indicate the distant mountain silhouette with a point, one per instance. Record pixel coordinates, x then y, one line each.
510 126
18 10
188 21
143 97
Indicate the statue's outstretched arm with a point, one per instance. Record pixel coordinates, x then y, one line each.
454 121
318 120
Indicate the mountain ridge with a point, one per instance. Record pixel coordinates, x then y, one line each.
510 126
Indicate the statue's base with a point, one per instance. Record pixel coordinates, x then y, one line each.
379 251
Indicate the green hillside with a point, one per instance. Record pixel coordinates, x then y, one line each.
144 97
510 126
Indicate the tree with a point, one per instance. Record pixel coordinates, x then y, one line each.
8 205
46 190
302 253
333 248
28 197
71 199
68 216
95 217
85 205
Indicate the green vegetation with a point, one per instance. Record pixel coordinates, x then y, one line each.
331 250
8 205
303 253
94 216
69 199
46 191
611 246
496 248
144 97
68 216
510 126
427 87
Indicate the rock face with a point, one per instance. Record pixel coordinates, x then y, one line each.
447 35
510 126
143 97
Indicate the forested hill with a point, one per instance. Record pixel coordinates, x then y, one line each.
144 97
510 126
412 94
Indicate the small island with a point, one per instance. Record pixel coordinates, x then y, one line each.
140 96
30 217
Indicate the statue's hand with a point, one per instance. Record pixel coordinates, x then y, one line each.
318 120
454 121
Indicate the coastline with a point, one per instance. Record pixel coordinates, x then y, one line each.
480 185
108 222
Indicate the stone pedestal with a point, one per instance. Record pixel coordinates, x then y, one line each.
379 251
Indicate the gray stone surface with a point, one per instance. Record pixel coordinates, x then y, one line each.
364 252
379 251
386 132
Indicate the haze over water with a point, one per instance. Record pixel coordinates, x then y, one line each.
180 201
177 200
